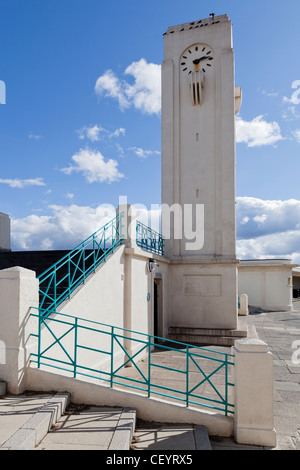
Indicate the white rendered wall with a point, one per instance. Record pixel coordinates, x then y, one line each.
101 298
4 232
203 296
198 142
268 284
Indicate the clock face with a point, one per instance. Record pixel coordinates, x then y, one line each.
196 58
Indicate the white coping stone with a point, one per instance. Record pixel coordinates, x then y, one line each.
36 428
124 431
23 439
251 345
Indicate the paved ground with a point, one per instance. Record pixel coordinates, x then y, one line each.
281 331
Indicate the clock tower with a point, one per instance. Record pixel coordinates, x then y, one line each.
199 102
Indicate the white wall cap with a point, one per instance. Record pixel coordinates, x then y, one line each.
251 345
198 23
265 262
16 272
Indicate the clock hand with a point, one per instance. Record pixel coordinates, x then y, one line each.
196 61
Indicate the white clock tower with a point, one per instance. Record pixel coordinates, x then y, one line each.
199 102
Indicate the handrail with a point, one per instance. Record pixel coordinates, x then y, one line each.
58 281
149 239
209 364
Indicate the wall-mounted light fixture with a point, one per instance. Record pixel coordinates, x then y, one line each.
151 265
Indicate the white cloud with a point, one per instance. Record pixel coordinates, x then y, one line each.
143 154
118 132
94 167
65 228
92 133
22 183
110 86
244 220
96 133
144 94
69 225
34 137
257 132
296 134
268 228
271 94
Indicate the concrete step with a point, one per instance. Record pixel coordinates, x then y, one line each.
208 336
85 427
38 421
177 437
26 419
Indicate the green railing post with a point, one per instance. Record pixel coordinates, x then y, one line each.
69 278
75 346
83 263
187 376
226 385
55 290
39 339
112 357
149 366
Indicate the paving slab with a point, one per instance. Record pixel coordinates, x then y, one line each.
151 436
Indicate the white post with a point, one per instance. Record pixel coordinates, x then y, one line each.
243 310
128 224
4 232
18 292
253 393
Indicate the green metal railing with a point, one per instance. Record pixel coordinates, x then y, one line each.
199 376
148 239
57 282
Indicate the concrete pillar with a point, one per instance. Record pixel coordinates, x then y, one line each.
243 310
18 292
128 224
253 393
4 232
128 231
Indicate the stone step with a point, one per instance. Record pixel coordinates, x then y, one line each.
214 336
38 421
85 427
31 432
176 437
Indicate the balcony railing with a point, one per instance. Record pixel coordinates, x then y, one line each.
149 239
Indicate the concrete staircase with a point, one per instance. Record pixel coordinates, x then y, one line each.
49 421
208 336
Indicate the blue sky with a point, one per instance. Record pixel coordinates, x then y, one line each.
81 123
